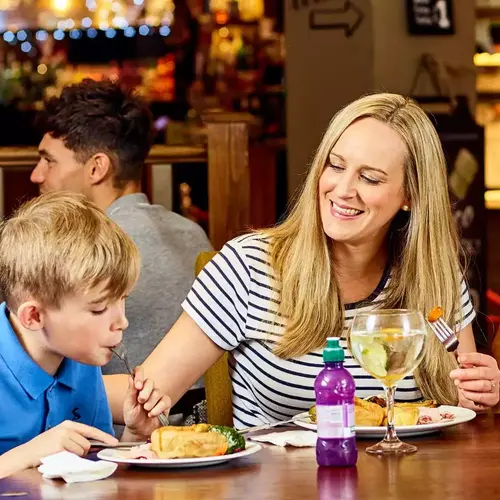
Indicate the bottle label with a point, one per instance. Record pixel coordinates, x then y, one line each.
335 422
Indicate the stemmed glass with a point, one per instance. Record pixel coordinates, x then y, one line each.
389 344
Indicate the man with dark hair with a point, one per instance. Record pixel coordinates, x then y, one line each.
97 137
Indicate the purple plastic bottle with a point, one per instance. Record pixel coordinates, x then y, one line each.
335 389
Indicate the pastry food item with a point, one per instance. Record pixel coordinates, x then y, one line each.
428 403
367 413
404 416
380 400
372 412
196 441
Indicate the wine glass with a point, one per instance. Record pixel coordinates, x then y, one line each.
389 344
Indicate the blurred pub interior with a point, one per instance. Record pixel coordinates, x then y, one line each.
190 58
185 57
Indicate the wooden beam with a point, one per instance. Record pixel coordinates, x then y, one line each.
487 12
28 156
228 175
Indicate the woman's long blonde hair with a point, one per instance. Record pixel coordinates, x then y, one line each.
425 251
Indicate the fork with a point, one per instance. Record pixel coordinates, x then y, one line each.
264 427
120 351
442 330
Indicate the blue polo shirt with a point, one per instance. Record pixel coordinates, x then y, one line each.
32 401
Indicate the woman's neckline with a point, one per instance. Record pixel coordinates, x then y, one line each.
378 289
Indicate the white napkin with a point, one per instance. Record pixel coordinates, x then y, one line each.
300 439
74 469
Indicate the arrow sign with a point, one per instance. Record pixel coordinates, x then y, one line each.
348 17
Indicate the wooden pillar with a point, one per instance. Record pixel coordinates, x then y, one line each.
228 175
263 180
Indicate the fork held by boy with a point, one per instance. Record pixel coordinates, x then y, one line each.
120 351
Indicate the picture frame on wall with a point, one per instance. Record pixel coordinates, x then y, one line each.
430 17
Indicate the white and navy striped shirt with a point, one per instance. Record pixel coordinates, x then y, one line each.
233 301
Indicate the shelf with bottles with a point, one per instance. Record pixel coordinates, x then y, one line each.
28 83
487 66
240 65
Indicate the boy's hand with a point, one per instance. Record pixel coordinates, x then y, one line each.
143 404
67 436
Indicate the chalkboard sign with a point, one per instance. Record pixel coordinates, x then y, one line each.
430 17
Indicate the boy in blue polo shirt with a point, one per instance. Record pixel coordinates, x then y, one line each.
65 270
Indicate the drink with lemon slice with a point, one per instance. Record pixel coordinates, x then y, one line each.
389 344
389 354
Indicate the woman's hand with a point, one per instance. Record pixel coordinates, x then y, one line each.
143 403
477 381
176 363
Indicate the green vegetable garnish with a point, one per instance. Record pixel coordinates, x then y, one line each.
236 442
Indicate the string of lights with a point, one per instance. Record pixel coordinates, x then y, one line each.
28 38
65 17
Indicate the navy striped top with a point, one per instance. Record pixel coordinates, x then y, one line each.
234 302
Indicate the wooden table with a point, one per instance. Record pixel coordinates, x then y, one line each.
463 463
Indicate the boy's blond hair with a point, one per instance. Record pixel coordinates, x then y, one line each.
59 245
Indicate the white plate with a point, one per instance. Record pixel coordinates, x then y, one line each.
461 415
112 455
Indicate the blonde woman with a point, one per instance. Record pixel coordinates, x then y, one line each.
372 228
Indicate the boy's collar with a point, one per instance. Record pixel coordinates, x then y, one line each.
32 377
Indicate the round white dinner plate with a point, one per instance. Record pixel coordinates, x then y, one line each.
117 456
461 415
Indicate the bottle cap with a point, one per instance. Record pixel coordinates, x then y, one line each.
333 353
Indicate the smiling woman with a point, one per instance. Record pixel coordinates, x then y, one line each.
372 228
362 188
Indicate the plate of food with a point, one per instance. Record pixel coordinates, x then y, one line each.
410 419
198 445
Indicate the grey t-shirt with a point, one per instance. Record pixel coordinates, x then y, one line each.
168 244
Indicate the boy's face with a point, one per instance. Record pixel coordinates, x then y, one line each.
84 327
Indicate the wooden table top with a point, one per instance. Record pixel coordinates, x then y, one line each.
461 463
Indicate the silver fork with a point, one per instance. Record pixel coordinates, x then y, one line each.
444 333
120 351
264 427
